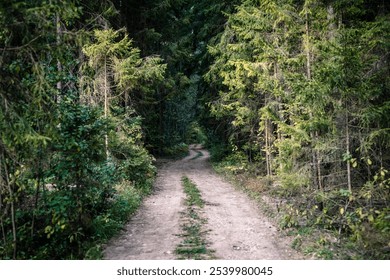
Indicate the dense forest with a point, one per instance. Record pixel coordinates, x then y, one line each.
290 94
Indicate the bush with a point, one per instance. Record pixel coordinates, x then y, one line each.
195 134
292 184
124 203
218 152
176 151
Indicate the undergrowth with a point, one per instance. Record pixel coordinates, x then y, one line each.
321 227
125 202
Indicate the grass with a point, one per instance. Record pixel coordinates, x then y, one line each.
194 196
194 245
198 155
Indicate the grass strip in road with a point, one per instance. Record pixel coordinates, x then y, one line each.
194 196
198 155
194 245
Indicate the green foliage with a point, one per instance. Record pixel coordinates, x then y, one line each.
176 151
112 57
79 144
218 152
301 90
132 159
292 184
126 200
58 194
290 218
295 90
195 134
235 163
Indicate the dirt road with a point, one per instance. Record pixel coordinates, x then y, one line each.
236 228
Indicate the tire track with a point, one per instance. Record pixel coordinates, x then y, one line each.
236 228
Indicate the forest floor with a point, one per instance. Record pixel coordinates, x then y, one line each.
232 225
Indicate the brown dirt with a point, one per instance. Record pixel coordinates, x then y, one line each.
236 228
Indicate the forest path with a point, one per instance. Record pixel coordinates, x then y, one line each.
235 227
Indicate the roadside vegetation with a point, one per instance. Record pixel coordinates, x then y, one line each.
301 95
317 233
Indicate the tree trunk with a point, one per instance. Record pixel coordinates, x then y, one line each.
319 176
316 159
59 65
347 144
268 143
13 220
106 103
332 23
2 184
36 198
278 79
307 48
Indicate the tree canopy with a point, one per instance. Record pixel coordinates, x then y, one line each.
292 92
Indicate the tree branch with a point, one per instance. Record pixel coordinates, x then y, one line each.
20 47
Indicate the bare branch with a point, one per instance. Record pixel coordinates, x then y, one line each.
20 47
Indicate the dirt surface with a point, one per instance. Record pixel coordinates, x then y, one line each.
235 227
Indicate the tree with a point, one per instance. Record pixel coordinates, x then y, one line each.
299 74
55 182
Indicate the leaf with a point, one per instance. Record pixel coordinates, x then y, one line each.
48 229
347 156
